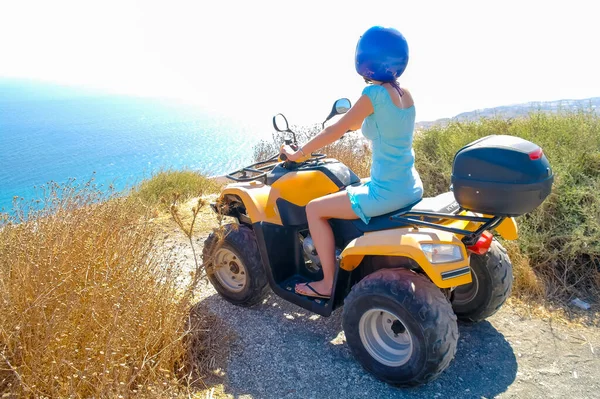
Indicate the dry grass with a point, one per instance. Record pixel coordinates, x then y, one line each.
527 285
206 219
90 306
352 149
354 152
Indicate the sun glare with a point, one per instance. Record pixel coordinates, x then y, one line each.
267 56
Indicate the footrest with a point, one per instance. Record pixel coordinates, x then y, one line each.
290 284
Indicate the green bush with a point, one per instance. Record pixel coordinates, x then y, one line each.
561 239
165 184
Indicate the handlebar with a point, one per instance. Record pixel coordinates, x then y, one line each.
313 157
293 146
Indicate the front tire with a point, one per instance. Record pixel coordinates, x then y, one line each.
234 266
491 286
400 327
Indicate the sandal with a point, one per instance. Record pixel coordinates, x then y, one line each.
316 294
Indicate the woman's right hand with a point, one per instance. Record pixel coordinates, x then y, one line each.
290 153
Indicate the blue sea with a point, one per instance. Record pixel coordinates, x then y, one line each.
53 133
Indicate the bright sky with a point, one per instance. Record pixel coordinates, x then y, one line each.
263 57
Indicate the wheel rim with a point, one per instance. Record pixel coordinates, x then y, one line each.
230 270
464 294
385 336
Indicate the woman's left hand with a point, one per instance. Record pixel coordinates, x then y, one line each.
290 153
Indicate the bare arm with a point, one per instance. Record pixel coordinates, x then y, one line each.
352 120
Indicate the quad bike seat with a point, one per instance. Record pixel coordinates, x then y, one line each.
443 203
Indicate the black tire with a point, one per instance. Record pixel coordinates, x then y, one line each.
491 286
420 308
240 242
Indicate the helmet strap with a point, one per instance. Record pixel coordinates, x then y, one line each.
396 86
393 83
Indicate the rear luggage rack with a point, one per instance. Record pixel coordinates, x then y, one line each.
470 237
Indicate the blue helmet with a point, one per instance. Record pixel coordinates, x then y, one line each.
381 54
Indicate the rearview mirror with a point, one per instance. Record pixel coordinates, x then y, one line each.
340 107
280 123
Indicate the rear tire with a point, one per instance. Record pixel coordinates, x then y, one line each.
400 327
234 266
491 285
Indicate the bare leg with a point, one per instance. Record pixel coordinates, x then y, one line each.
318 211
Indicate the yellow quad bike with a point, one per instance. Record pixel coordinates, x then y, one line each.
404 278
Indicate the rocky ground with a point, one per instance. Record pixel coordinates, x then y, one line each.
282 351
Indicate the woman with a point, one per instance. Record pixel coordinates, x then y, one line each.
387 116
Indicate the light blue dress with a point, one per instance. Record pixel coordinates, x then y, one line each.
394 182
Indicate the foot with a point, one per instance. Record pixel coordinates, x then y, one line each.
320 289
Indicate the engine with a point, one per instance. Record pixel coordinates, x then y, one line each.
311 253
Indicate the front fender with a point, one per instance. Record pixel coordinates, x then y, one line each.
406 242
258 199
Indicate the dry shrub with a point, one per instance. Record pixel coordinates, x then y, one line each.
352 150
187 220
90 306
527 285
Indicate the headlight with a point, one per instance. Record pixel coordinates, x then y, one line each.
442 253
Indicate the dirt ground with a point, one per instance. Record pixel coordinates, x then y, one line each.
279 350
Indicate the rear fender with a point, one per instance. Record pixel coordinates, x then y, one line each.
508 229
406 242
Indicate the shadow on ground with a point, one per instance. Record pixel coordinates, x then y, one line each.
283 351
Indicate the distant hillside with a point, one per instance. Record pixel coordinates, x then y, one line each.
516 110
